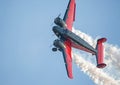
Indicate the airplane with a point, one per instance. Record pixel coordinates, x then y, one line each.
66 39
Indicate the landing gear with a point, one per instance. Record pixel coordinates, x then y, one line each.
54 49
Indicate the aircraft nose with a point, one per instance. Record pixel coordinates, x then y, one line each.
54 29
57 30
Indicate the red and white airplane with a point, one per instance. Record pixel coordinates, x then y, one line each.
67 39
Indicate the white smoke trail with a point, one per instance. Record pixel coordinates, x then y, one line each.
97 75
113 55
112 59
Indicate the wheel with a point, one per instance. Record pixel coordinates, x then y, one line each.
54 49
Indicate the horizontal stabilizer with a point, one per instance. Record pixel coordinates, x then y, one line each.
100 53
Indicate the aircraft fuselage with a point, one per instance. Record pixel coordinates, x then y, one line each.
76 41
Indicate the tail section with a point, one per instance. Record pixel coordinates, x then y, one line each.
100 53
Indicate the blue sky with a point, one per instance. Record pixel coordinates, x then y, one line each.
26 38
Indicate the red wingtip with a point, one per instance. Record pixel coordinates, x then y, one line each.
102 65
71 77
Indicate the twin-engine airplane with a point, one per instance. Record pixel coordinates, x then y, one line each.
67 39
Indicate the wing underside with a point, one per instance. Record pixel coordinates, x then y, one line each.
68 58
69 16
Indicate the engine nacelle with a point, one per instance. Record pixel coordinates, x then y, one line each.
58 44
58 21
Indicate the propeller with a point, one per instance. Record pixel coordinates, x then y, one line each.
52 24
59 15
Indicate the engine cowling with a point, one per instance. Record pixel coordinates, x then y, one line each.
58 21
58 44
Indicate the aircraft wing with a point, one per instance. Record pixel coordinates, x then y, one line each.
67 58
69 16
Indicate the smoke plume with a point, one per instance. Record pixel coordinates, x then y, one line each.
109 75
97 75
